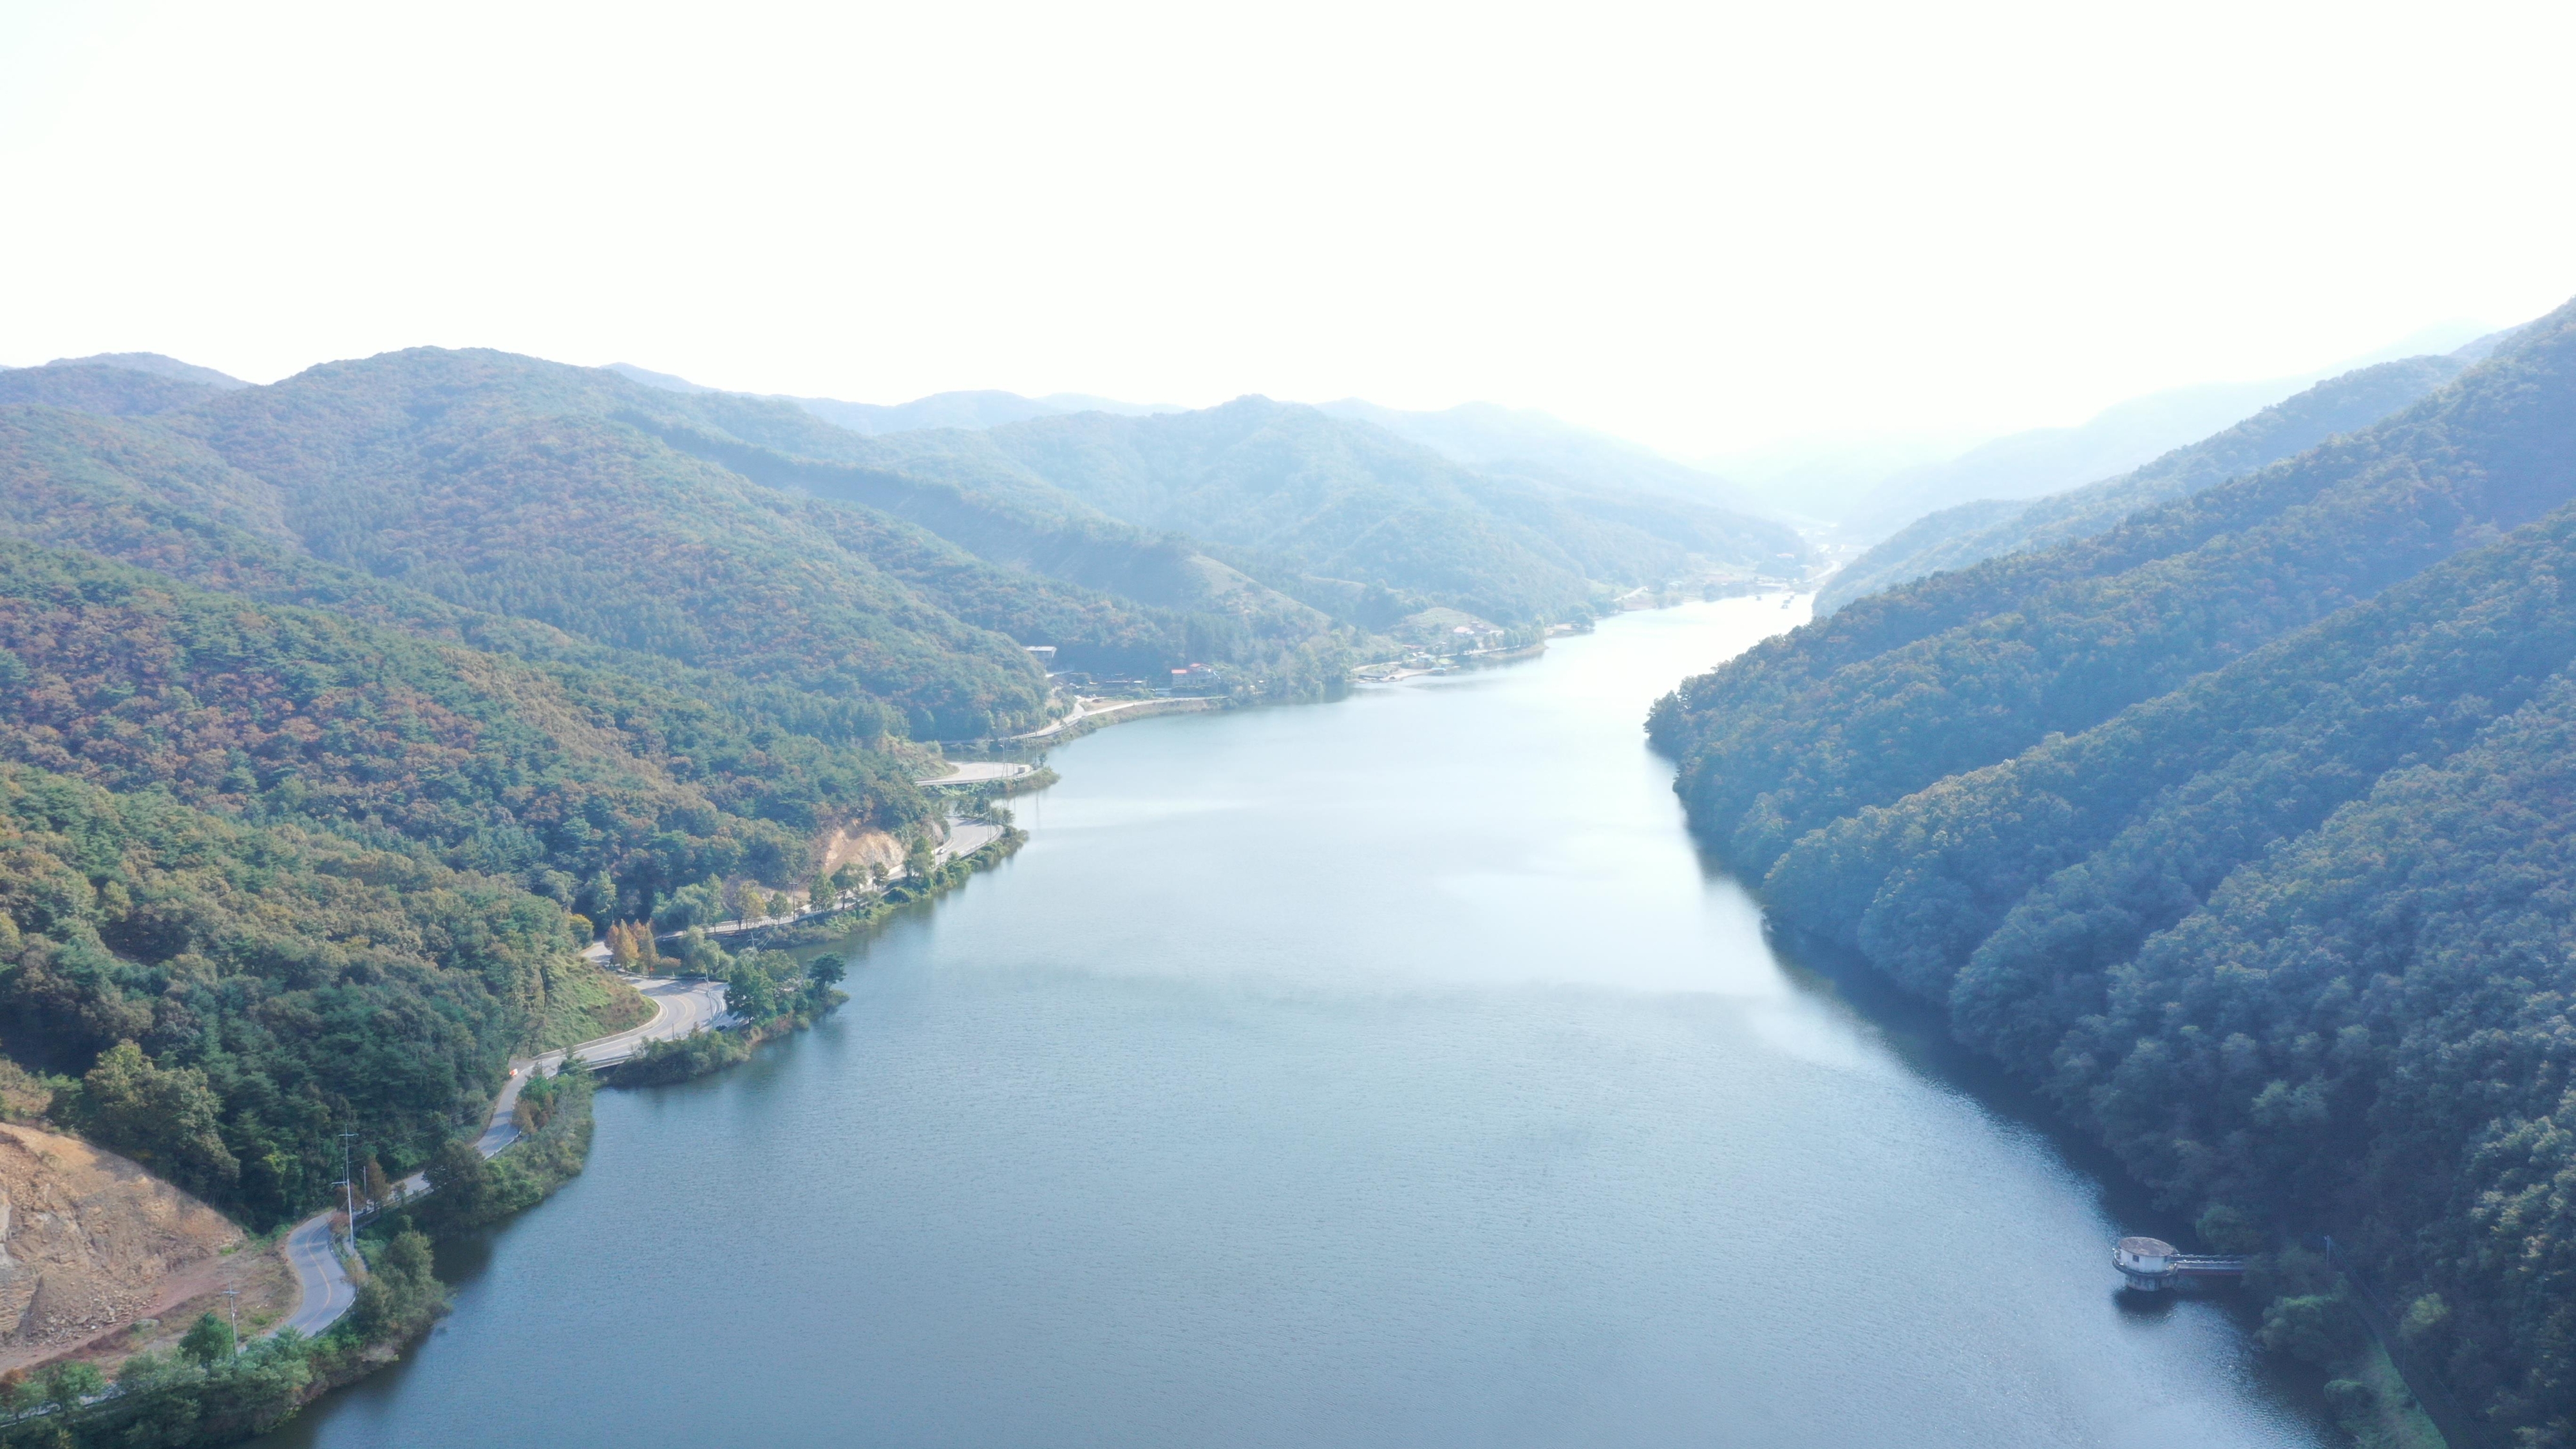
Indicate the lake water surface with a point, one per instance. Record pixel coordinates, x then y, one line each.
1382 1073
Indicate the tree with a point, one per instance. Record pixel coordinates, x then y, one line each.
699 955
2314 1328
400 1289
826 970
460 1185
598 898
921 857
374 1183
691 905
209 1342
2229 1229
168 1118
67 1385
750 994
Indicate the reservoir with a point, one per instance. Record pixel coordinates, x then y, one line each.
1389 1072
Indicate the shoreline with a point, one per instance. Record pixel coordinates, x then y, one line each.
862 927
683 1007
1082 722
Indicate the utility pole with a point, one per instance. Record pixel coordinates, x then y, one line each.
232 1304
348 1184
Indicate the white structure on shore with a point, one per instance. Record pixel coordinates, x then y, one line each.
2151 1265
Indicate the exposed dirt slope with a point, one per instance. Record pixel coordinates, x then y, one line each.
90 1243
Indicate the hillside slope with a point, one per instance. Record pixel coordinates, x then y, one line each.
1524 442
1286 486
2048 460
1957 670
97 387
506 485
92 1242
237 994
1275 516
1971 532
595 789
2242 829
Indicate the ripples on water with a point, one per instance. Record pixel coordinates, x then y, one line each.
1387 1072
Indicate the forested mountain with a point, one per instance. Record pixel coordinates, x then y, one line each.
1524 442
99 387
1323 508
237 995
324 707
506 484
333 711
156 364
588 786
957 487
1957 537
2242 828
2045 460
1237 510
642 521
2119 438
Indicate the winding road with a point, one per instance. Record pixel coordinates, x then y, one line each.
1079 714
679 1008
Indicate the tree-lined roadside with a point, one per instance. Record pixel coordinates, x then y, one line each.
312 1248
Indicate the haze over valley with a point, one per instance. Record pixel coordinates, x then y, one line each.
1157 726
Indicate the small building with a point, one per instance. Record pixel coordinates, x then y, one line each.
1196 679
2151 1265
2144 1262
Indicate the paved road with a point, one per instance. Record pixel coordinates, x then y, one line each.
1083 710
978 772
325 1284
679 1008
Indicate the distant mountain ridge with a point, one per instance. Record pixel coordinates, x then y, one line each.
1969 532
125 384
2039 461
1347 517
1340 514
980 408
1261 537
1531 443
97 387
1484 436
2046 460
156 364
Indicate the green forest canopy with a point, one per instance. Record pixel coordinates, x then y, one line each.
2243 829
332 712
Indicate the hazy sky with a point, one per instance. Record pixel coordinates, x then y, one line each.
1705 226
